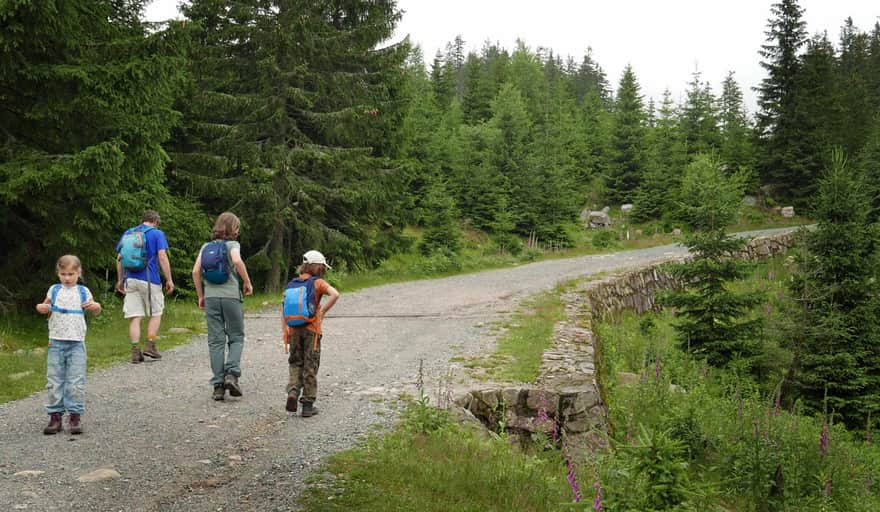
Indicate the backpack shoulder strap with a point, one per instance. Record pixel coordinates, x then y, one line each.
54 295
83 296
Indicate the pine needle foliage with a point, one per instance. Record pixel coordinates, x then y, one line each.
291 117
712 320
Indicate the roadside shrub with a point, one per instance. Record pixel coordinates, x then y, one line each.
604 238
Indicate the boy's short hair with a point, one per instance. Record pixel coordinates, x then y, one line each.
150 216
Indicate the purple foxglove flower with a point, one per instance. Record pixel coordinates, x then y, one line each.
572 481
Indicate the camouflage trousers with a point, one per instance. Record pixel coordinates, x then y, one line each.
304 360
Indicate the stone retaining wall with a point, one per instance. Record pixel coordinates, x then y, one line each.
565 402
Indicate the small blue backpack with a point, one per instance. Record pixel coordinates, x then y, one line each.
133 249
215 262
300 305
83 297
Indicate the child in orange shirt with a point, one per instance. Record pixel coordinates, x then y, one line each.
305 340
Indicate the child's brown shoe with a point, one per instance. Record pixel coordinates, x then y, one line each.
54 425
74 423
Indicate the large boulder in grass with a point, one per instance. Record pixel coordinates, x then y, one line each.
599 220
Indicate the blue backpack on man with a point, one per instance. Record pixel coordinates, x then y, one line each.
133 248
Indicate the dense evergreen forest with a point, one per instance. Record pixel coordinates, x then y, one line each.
302 118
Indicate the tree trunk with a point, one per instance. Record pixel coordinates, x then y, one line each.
276 256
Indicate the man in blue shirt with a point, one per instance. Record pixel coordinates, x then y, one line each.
143 286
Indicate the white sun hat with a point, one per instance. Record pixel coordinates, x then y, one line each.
315 257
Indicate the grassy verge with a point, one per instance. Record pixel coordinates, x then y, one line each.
430 464
524 339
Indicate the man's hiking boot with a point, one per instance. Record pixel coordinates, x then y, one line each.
308 410
74 423
151 352
219 392
136 356
54 425
290 406
231 384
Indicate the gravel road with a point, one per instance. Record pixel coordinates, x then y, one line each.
175 449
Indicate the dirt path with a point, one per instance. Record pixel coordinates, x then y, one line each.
176 449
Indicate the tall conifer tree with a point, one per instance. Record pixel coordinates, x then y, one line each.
627 140
86 94
301 99
737 150
777 124
838 360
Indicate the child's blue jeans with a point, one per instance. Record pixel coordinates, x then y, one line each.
66 376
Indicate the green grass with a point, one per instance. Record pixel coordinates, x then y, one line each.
525 338
430 464
24 338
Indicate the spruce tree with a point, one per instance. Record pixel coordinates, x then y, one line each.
590 77
838 359
777 123
87 94
869 164
874 67
657 194
442 81
857 108
299 100
442 235
699 119
593 155
514 125
477 90
816 114
737 150
626 166
712 320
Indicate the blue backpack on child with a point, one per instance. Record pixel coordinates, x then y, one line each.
83 297
300 305
133 249
215 262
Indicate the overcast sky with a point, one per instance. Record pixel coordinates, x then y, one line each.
664 41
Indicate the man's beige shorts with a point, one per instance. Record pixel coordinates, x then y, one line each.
135 303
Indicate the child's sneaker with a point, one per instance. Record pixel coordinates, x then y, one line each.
74 423
308 410
54 425
219 392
